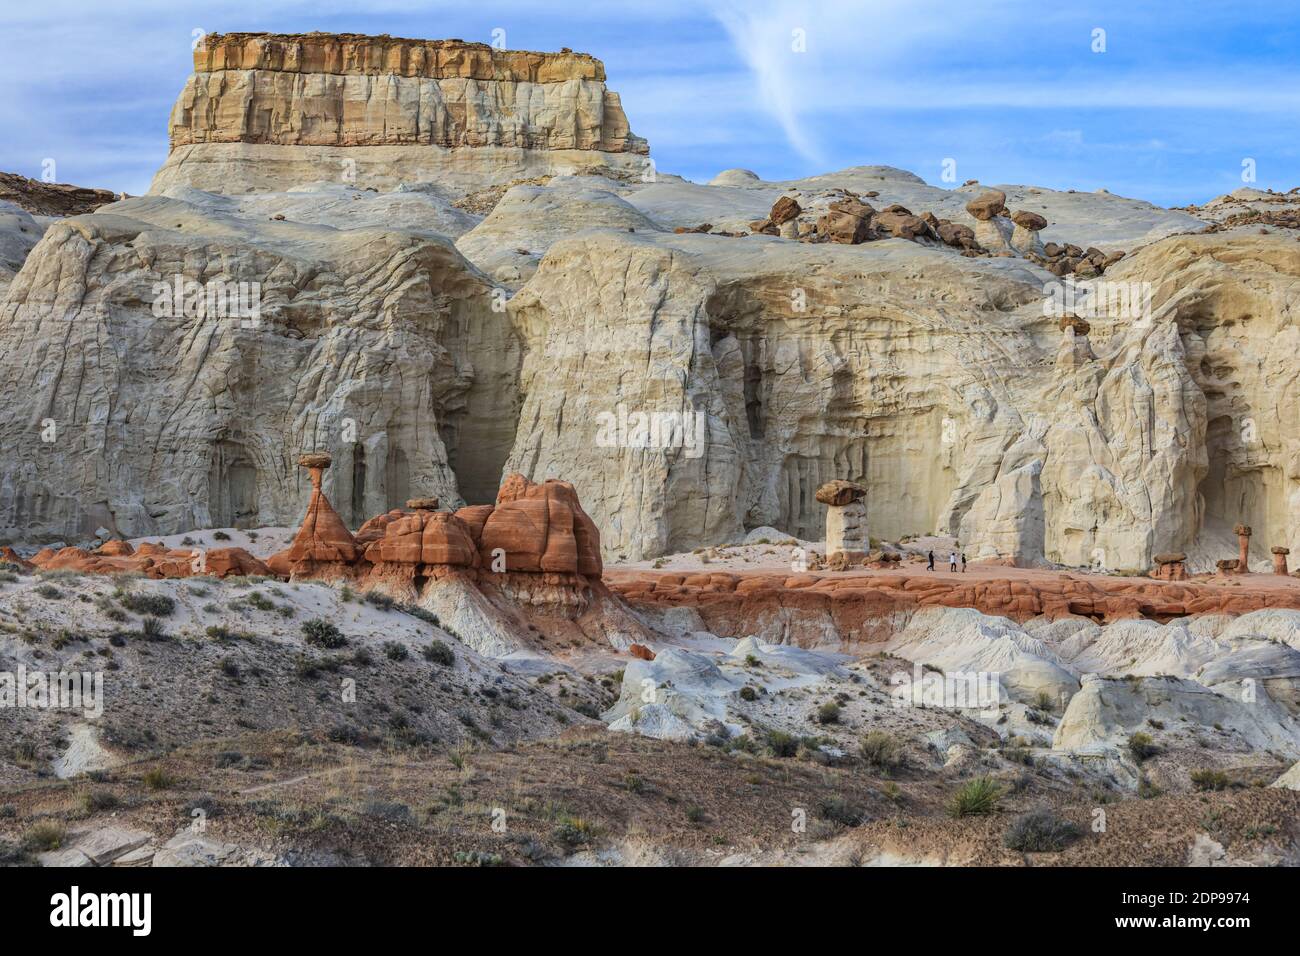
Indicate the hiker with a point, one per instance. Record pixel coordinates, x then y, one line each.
963 562
931 565
952 562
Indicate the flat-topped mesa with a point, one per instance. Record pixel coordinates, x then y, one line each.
253 95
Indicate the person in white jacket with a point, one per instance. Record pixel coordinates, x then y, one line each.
952 561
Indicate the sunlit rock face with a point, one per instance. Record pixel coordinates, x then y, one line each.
264 112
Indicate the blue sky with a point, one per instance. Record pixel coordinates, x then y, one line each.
1012 91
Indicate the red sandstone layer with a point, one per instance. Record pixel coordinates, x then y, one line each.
860 604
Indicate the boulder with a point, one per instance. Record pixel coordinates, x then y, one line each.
846 221
1029 220
839 492
987 205
784 210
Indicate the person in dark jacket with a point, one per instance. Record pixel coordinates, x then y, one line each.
963 562
930 567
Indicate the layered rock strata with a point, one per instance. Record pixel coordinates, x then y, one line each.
261 110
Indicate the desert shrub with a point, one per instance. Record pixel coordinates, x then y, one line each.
43 836
259 601
1141 746
842 811
220 536
828 713
976 797
1040 831
322 633
438 652
228 758
781 744
881 750
229 667
748 693
1044 701
380 600
418 612
50 592
157 605
219 632
93 801
158 779
151 629
1208 779
395 651
574 831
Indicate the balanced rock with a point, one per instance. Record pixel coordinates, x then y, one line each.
987 205
839 492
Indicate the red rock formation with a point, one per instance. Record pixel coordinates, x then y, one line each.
1170 566
425 537
152 560
541 527
1279 560
1243 532
860 604
323 546
641 651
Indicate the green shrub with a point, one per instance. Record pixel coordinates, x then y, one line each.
881 750
748 693
574 831
322 633
1141 746
1040 831
43 836
95 800
978 796
841 811
151 629
157 605
159 779
395 651
1208 779
828 713
50 592
438 652
781 744
380 600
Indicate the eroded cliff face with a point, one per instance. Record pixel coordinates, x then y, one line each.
144 416
630 335
435 109
938 381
